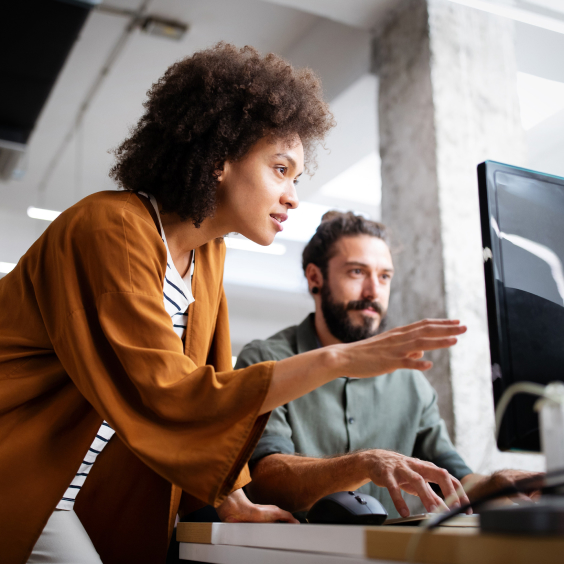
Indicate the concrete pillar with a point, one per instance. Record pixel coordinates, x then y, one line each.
447 101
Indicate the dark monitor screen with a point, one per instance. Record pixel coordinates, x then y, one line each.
522 216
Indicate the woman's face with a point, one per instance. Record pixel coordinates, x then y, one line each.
256 192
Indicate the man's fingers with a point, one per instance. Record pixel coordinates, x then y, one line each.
462 495
395 494
428 498
452 489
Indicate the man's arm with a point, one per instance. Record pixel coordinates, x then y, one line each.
295 483
478 485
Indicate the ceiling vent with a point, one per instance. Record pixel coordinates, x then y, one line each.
36 37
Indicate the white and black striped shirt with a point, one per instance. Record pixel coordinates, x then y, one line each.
177 296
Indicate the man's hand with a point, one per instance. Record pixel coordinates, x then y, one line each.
478 485
237 508
398 348
398 472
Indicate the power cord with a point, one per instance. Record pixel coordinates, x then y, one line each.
543 483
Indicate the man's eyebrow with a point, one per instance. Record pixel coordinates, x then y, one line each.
289 158
365 265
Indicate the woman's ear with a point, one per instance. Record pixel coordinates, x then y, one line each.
221 170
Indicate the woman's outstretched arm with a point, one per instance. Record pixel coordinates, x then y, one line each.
398 348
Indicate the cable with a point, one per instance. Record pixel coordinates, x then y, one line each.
553 392
526 485
518 388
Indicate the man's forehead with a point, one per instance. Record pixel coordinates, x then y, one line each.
362 249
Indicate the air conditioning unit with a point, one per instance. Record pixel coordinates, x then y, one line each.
11 157
35 40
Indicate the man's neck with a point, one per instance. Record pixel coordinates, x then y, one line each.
325 336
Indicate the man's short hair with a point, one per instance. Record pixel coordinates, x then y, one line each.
335 225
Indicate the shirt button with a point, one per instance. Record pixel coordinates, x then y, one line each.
351 420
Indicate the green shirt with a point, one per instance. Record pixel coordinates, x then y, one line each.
395 411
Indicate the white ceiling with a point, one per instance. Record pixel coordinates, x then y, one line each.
363 14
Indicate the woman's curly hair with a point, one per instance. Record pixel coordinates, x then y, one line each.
211 107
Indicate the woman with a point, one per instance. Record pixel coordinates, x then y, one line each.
92 337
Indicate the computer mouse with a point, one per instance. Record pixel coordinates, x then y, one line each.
347 508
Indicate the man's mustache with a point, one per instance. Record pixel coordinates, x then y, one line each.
365 304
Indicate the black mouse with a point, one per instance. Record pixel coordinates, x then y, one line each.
347 508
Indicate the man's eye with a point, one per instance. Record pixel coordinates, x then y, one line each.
356 271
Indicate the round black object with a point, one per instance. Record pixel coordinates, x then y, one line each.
347 508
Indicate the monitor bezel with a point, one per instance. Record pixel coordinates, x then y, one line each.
500 353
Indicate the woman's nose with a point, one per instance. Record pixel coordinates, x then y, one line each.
290 198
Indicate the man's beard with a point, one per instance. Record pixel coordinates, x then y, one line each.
338 321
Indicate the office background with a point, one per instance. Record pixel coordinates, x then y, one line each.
422 91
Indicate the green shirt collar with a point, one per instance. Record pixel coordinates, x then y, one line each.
306 336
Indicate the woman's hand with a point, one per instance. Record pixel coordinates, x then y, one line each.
398 348
237 508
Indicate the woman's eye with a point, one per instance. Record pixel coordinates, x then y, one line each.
296 181
282 170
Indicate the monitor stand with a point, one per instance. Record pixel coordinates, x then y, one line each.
545 517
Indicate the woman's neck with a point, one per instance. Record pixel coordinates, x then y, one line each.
183 237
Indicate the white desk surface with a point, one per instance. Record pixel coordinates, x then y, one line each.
225 554
278 543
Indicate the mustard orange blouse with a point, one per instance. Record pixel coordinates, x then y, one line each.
84 337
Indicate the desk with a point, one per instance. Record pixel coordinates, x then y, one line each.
279 543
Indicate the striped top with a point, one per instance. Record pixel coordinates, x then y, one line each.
177 296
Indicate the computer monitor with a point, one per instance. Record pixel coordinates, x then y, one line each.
522 216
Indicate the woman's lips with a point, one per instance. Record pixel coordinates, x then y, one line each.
278 218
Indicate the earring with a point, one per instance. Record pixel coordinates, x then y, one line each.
315 290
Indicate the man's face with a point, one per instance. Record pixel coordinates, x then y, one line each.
355 295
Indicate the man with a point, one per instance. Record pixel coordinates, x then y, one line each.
378 435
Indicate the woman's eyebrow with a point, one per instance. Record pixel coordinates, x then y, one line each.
287 157
290 159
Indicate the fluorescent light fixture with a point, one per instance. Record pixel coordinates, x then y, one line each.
246 245
359 183
6 267
38 213
539 98
524 13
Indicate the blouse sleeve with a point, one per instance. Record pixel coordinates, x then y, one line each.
194 425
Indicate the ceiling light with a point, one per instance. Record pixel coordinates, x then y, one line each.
246 245
525 13
539 98
6 267
38 213
359 183
164 28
